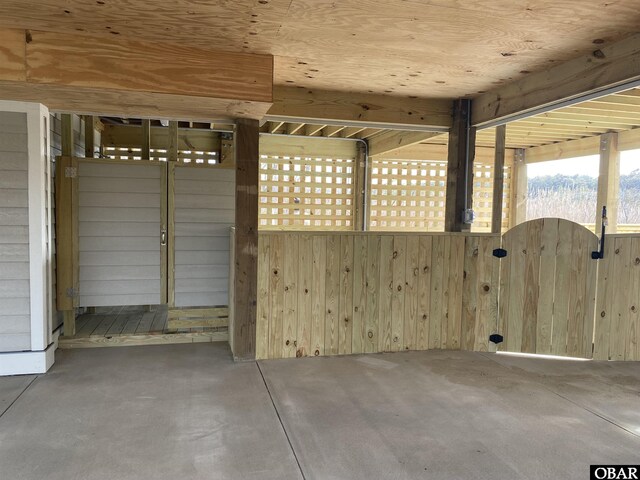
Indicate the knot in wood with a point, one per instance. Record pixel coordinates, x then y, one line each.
306 290
286 289
617 251
395 339
299 353
347 269
316 353
346 319
637 261
399 288
486 287
475 252
370 334
424 317
395 255
602 314
275 272
287 343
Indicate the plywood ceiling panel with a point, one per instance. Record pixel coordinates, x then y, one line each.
428 48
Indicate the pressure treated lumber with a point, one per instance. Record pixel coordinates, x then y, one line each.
608 182
246 238
177 81
498 179
609 66
459 167
393 141
309 105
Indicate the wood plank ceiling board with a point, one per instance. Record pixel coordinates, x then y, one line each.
430 48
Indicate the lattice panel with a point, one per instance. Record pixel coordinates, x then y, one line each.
407 195
306 193
184 156
483 197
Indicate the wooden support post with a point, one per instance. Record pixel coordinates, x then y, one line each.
170 248
498 180
519 189
89 136
146 140
66 140
459 167
360 187
246 239
608 181
67 241
173 141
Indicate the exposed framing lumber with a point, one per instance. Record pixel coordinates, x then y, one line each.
301 104
498 179
608 181
459 168
519 189
172 151
359 186
176 82
246 239
393 141
146 140
89 136
306 146
610 67
437 151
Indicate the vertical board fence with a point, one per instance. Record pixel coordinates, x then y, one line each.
617 319
330 293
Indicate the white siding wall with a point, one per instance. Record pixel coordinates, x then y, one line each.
15 330
204 211
119 229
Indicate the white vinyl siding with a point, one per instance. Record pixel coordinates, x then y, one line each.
15 322
204 211
119 229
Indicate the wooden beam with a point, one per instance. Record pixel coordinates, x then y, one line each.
360 186
89 136
393 141
246 239
176 82
302 146
438 151
146 139
67 147
459 193
519 189
336 107
563 150
172 151
332 130
608 67
498 179
312 130
608 181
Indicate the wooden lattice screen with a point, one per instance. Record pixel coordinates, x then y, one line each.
409 195
311 193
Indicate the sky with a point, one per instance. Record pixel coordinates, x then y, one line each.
629 161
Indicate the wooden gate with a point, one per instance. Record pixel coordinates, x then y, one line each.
548 288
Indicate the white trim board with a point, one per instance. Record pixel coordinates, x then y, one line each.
29 363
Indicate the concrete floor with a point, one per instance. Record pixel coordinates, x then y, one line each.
187 411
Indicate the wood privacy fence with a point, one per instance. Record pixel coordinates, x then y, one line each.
329 293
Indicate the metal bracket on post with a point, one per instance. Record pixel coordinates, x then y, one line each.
599 254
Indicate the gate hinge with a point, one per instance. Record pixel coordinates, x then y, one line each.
500 253
72 292
496 338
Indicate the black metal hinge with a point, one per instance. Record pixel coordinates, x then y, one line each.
496 338
500 253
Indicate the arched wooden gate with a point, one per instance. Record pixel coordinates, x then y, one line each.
548 288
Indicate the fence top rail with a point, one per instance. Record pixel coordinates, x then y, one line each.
380 233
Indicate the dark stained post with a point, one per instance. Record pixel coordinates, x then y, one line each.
498 179
462 147
246 239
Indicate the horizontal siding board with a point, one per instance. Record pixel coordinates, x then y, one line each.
13 197
214 285
15 324
220 243
114 171
117 300
200 272
14 289
202 258
11 253
119 287
13 178
107 214
15 342
14 234
13 141
206 188
118 229
15 306
205 201
119 244
13 161
127 200
212 229
109 273
119 185
205 215
14 216
14 271
205 174
121 259
13 122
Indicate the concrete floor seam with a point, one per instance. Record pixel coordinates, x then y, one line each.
573 402
286 434
18 397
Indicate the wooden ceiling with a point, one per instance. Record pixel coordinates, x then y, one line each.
616 112
425 48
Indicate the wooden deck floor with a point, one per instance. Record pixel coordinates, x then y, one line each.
134 325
